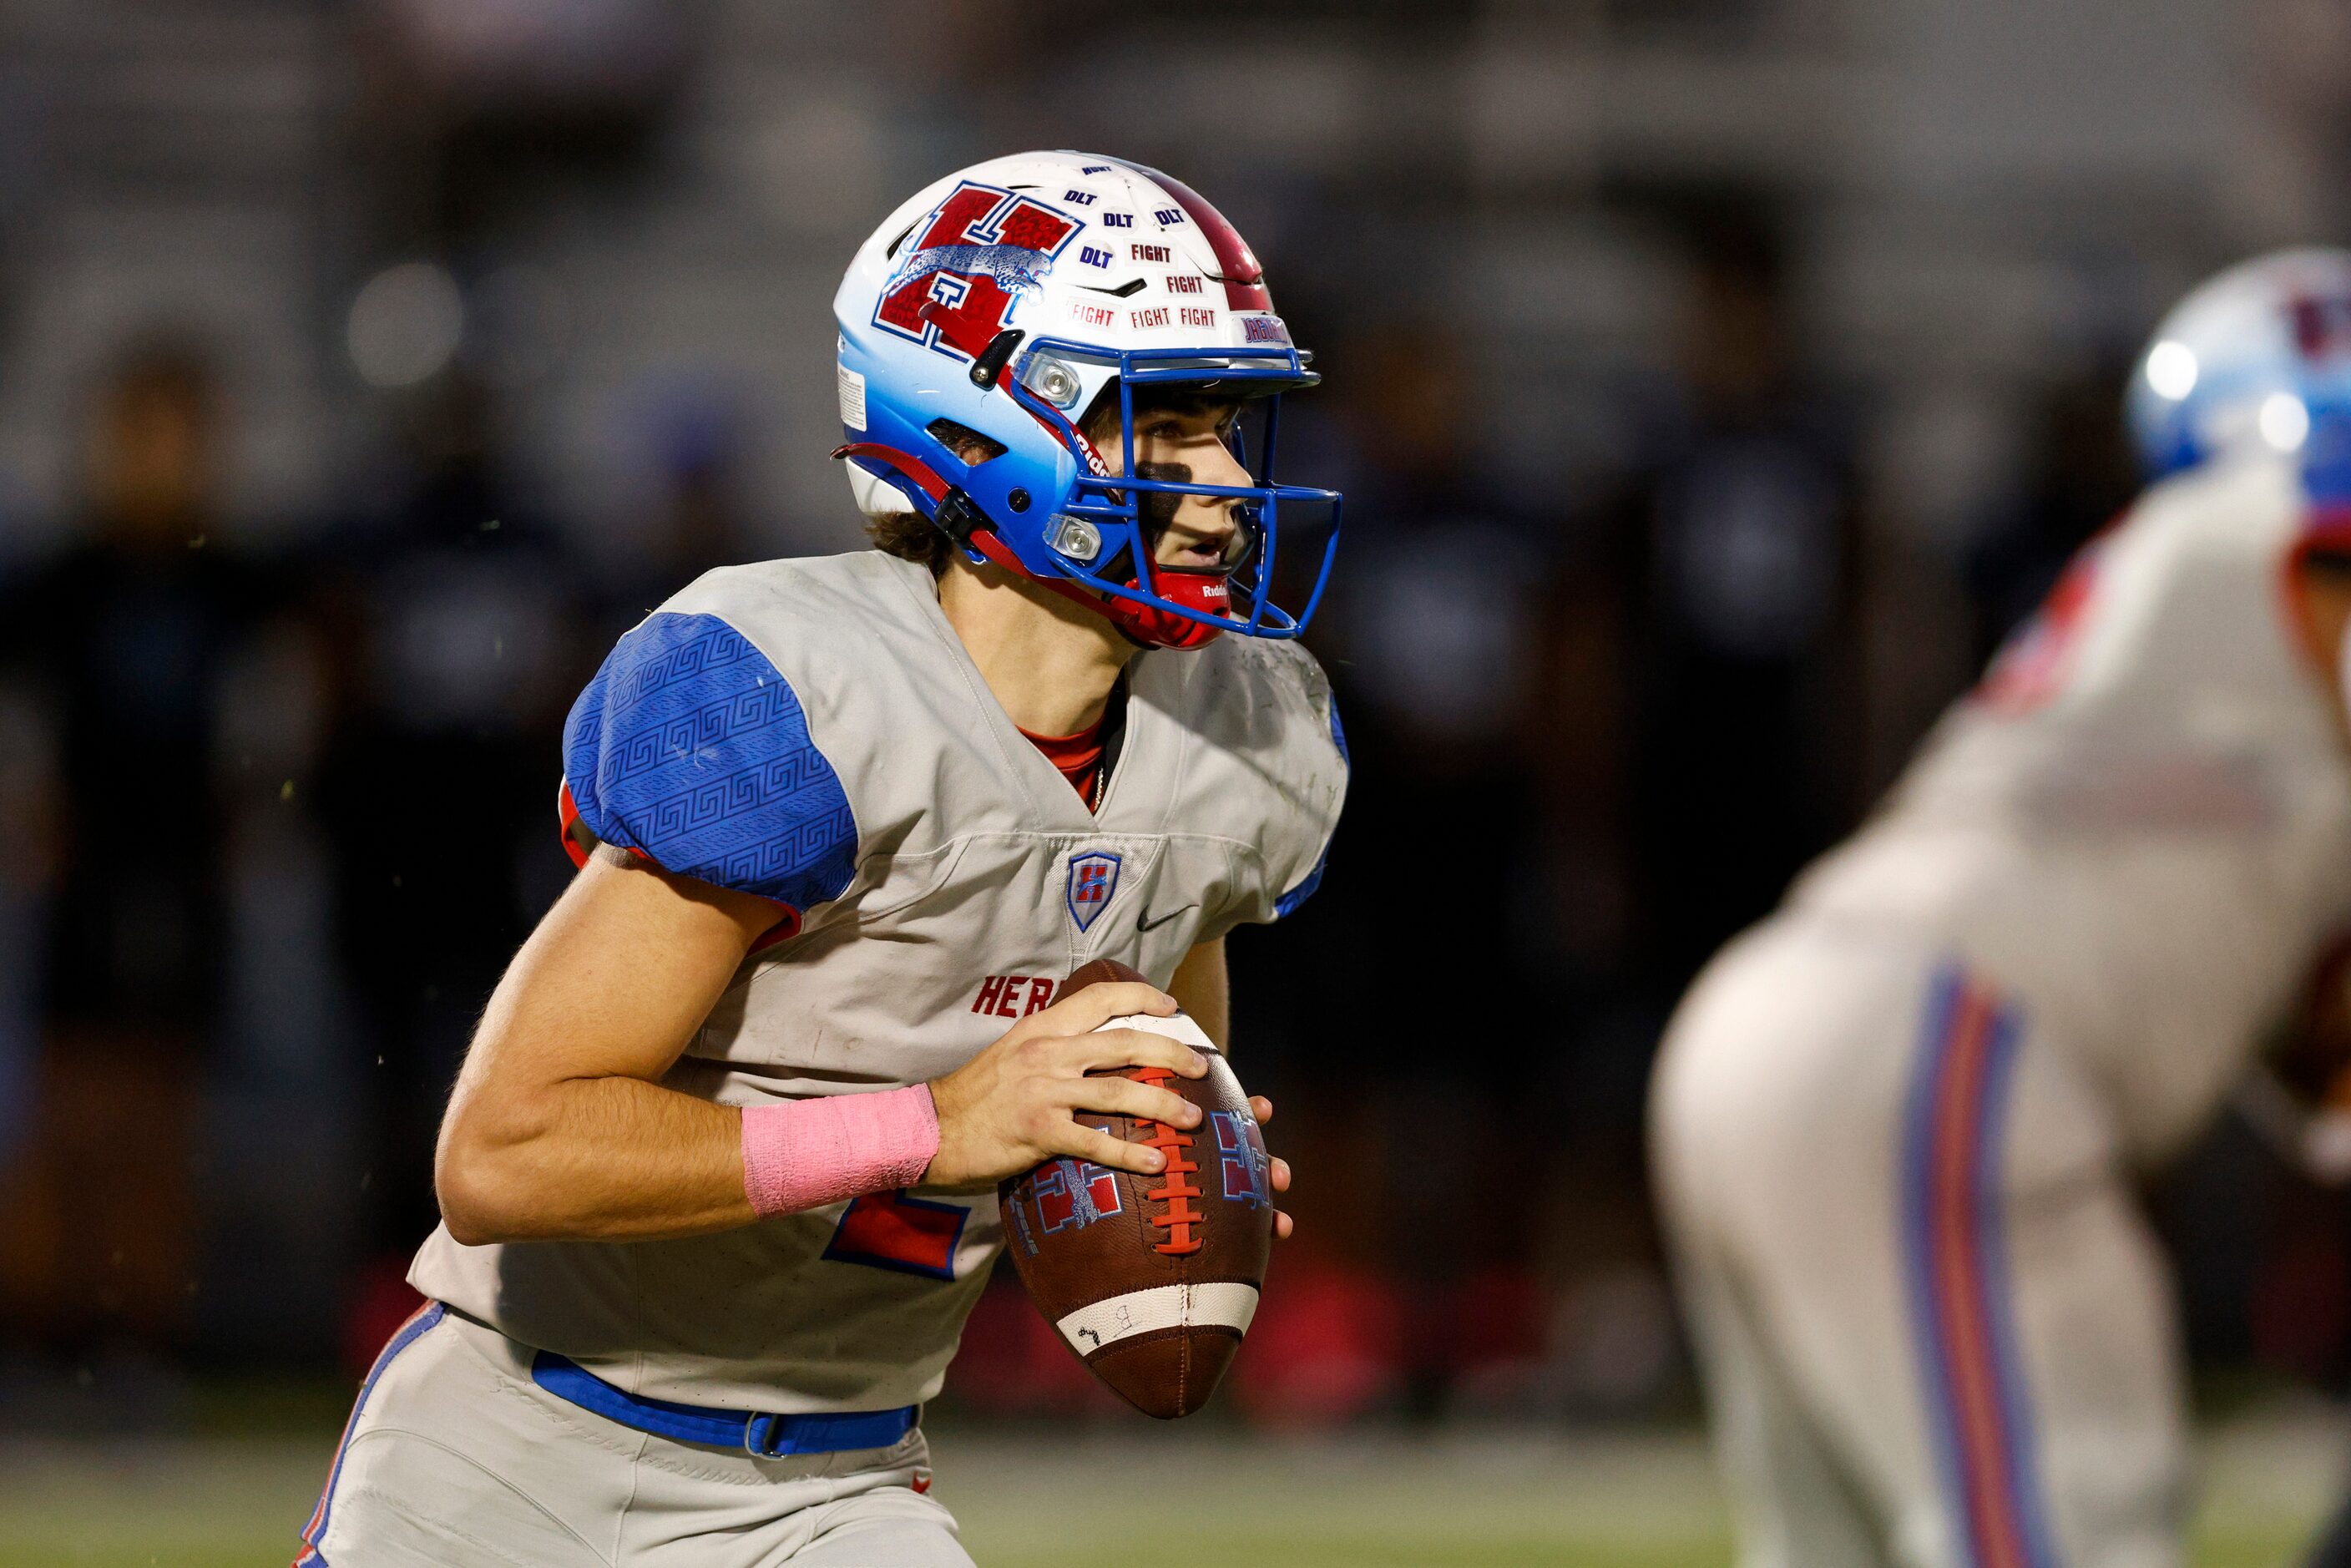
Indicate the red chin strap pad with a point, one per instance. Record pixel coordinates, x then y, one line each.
1156 628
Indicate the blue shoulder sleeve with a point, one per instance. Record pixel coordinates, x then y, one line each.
690 746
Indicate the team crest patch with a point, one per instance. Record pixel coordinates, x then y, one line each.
1093 879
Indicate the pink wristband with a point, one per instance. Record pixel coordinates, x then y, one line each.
805 1154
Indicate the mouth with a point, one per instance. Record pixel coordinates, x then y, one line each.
1203 554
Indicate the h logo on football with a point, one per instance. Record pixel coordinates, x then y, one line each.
1242 1159
976 255
1075 1192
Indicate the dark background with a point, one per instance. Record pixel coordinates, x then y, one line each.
1711 382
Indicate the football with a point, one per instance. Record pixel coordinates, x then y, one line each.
1152 1281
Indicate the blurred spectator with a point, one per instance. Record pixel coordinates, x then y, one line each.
2079 478
29 800
1434 631
463 615
122 640
699 522
1744 514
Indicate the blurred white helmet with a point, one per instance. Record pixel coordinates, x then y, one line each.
2249 360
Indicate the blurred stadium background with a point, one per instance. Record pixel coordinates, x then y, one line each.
1712 382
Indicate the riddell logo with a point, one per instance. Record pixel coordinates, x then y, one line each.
1013 996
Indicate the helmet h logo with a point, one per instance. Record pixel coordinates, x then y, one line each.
1093 878
976 255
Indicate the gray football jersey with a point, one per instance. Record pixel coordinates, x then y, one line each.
813 731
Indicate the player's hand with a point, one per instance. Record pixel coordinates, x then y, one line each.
1262 1109
1015 1105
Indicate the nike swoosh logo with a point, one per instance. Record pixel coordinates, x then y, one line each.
1131 285
1142 924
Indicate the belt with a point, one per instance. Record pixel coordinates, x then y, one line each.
764 1434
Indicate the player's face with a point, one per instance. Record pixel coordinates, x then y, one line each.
1189 443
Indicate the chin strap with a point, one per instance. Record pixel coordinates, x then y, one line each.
1143 623
906 463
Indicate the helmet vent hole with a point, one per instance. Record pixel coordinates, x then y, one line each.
890 252
965 441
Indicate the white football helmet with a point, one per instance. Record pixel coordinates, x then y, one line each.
1007 300
2253 358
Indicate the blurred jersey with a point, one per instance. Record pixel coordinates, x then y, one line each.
2139 822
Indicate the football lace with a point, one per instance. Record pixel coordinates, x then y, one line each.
1180 1220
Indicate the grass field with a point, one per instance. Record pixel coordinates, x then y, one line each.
1492 1500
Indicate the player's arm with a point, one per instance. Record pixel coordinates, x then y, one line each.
559 1127
1203 987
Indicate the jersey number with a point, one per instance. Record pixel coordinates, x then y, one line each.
892 1230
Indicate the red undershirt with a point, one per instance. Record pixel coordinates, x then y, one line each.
1078 758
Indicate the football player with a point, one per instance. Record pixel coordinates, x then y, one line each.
1895 1125
718 1177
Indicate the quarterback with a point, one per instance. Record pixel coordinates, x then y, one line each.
717 1179
1895 1125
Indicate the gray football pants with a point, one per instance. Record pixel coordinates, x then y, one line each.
1934 1328
455 1459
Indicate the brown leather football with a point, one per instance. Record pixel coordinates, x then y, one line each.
1152 1281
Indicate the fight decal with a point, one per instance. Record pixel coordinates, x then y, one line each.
977 252
1978 1413
905 1235
419 1323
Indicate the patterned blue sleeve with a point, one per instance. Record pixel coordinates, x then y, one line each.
690 746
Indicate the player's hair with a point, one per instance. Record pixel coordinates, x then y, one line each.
910 536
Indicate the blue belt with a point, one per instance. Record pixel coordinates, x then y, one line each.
763 1433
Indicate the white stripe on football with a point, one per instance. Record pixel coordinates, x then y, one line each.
1179 1026
1220 1303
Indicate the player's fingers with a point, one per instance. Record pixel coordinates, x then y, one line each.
1279 1172
1112 1096
1282 1225
1097 1005
1133 1048
1261 1108
1082 1142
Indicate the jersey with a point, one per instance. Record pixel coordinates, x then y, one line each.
813 732
2137 825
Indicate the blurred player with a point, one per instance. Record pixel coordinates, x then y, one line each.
1895 1125
718 1177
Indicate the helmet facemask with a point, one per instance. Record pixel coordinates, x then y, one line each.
1109 528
